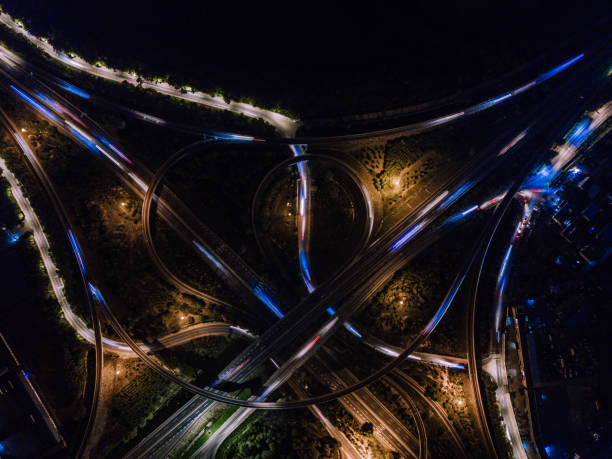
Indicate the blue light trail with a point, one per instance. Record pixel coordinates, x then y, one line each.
306 271
209 256
265 298
447 302
73 89
579 133
352 330
77 252
35 104
24 146
96 294
558 69
456 194
84 140
228 136
406 237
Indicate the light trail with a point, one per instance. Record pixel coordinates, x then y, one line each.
352 330
73 89
77 252
116 150
513 142
281 122
406 237
265 299
433 203
38 107
208 255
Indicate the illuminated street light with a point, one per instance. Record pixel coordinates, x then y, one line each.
396 181
23 130
460 403
123 204
182 317
117 372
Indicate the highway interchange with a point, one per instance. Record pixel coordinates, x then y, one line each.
303 330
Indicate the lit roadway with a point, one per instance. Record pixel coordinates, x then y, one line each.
384 256
362 405
541 176
497 348
43 245
435 407
365 406
135 176
347 448
283 123
384 270
416 416
495 364
366 268
411 233
87 140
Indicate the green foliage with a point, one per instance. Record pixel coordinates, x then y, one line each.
136 403
495 417
294 434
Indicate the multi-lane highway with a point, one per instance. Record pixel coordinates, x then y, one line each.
413 232
135 181
338 297
416 416
435 407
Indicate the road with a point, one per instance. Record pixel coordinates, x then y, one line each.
416 416
504 150
221 257
435 407
42 243
403 241
413 231
362 405
347 448
495 363
565 118
283 123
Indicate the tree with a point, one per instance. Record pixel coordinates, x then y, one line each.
367 428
